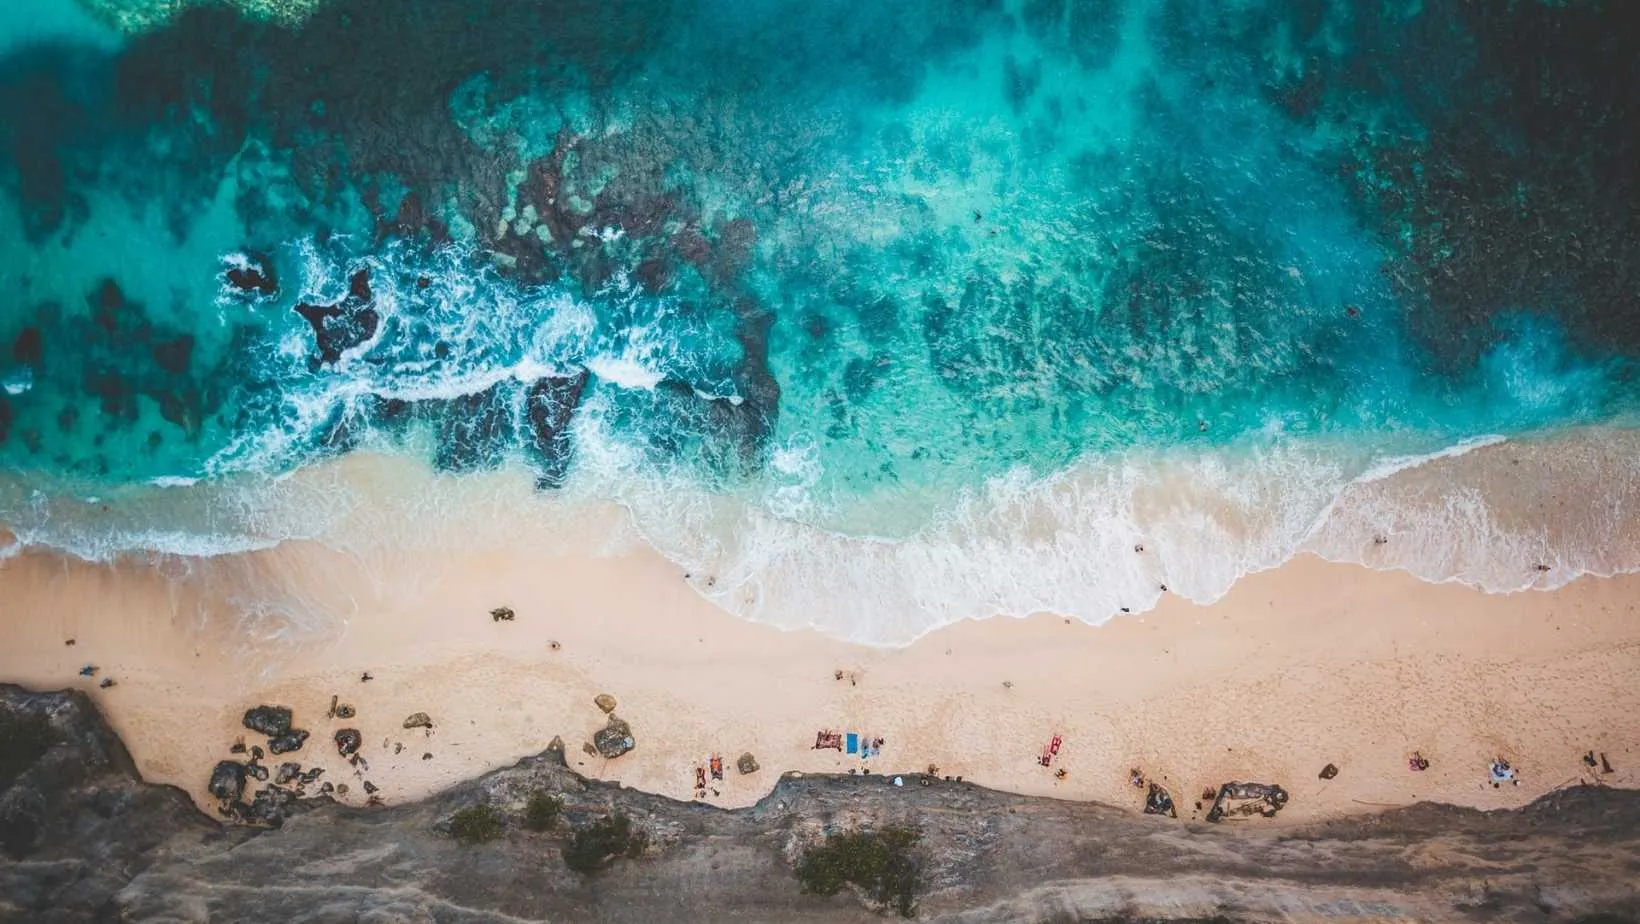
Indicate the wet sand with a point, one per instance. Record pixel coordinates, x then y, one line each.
1309 664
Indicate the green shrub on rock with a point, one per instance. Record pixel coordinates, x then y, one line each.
882 863
601 843
476 825
541 811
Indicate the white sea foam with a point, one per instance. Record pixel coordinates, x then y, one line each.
1089 542
624 372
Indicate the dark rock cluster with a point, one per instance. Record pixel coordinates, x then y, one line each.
343 325
269 804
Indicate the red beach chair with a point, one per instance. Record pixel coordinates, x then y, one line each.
1053 746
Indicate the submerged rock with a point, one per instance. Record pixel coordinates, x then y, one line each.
548 406
174 355
268 720
29 347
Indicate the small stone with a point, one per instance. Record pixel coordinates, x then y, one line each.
90 670
418 720
1329 771
284 744
106 683
348 741
288 771
257 771
613 739
502 614
370 787
326 788
747 763
341 789
238 747
312 775
272 721
589 749
344 711
427 756
256 752
605 702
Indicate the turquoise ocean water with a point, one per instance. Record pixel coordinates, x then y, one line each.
937 307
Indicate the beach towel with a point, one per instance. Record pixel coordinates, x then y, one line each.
852 743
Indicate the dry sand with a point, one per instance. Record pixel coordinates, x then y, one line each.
1308 664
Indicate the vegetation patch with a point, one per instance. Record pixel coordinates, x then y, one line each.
24 739
479 824
542 810
601 843
884 864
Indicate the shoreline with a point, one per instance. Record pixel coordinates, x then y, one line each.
1308 664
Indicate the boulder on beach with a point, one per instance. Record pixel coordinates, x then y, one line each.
418 720
605 702
227 780
272 721
286 743
288 771
613 739
1247 799
1159 802
348 741
256 771
747 763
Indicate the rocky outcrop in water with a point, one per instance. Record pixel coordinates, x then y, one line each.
86 840
346 324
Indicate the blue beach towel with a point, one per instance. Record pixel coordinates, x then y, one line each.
852 742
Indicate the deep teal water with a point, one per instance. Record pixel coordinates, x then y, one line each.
854 263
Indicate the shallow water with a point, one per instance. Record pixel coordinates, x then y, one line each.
941 309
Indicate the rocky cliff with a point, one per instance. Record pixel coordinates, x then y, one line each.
84 839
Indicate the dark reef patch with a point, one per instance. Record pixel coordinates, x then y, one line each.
790 201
